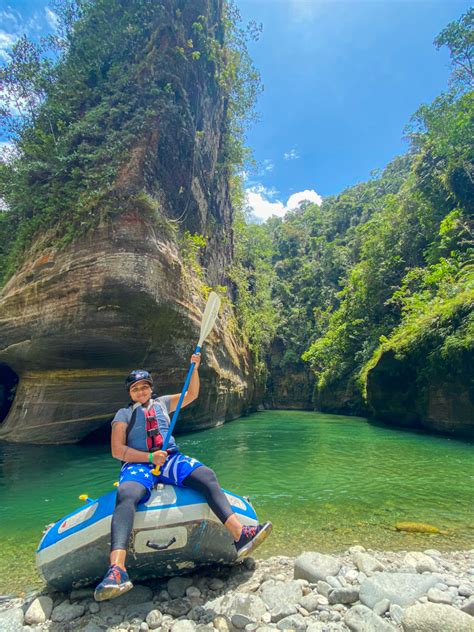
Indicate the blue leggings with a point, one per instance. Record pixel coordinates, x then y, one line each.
129 494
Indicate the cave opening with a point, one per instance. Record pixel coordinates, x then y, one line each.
8 385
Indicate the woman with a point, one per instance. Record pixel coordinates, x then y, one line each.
138 433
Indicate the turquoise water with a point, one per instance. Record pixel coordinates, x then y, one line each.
325 481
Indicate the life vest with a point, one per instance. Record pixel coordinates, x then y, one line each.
154 440
156 427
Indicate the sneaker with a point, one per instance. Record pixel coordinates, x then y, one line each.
252 537
115 583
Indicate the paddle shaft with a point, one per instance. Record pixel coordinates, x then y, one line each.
180 402
209 318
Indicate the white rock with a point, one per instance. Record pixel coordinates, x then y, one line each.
381 607
362 619
154 619
420 562
11 620
433 617
277 594
367 563
323 588
442 596
222 623
315 566
185 625
293 622
396 613
352 575
39 610
466 590
400 588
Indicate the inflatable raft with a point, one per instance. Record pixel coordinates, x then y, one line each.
173 531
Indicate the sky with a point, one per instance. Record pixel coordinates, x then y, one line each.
341 79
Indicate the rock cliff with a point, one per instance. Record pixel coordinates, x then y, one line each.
401 392
74 320
290 384
73 323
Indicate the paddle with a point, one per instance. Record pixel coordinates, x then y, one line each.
208 320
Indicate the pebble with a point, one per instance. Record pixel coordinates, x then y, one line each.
356 590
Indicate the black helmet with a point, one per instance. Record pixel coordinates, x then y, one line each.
138 375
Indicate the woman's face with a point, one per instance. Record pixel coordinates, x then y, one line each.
140 392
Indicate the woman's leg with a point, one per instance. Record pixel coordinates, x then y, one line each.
247 538
204 480
129 494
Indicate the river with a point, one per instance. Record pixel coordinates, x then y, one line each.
325 481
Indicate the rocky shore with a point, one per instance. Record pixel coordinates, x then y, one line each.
359 590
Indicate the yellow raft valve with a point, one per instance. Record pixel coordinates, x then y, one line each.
86 498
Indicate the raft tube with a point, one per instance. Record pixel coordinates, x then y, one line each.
175 530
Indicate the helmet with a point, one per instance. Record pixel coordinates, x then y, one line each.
137 376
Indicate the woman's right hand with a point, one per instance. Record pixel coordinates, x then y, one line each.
159 457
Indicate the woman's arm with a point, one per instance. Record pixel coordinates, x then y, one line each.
193 389
122 452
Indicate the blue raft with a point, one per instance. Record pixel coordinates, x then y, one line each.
175 530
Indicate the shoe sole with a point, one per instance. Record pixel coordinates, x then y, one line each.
257 541
113 592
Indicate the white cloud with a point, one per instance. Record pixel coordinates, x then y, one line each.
6 42
261 207
291 155
307 195
51 18
262 203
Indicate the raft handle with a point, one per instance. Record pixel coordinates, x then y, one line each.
160 547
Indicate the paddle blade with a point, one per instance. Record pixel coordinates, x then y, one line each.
209 316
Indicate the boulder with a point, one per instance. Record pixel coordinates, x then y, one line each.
420 562
432 617
399 588
345 595
278 594
246 604
362 619
316 566
11 620
366 563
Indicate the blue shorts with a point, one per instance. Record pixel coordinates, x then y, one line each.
175 469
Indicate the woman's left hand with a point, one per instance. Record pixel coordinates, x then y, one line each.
196 358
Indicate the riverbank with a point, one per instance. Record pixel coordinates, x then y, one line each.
358 590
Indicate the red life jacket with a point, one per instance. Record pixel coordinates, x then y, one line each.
154 440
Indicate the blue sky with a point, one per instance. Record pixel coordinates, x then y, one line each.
341 80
